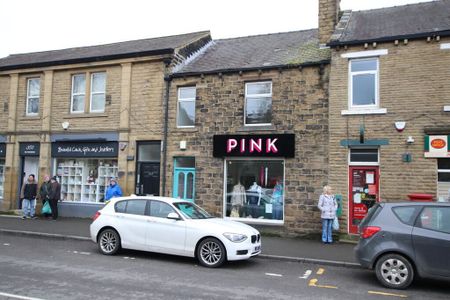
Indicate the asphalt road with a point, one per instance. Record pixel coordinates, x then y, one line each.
67 269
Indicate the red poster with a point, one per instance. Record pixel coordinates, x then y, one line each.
372 189
359 211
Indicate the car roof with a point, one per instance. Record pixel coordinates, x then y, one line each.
169 200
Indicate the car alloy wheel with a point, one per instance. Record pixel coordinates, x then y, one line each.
211 253
109 242
394 271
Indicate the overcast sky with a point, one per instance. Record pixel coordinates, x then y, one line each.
30 26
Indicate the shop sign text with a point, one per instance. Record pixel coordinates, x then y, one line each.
69 149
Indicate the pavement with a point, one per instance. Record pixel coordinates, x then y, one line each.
281 248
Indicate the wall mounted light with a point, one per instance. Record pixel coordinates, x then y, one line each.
65 125
410 140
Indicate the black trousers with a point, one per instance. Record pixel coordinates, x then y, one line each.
54 206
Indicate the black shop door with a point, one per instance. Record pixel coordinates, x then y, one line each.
149 176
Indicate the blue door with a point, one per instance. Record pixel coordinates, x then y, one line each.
184 183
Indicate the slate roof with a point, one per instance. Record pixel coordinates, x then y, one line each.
259 52
136 48
398 22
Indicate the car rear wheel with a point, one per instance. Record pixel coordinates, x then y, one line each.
394 271
211 253
109 242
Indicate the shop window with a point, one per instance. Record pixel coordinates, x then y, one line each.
2 176
258 103
443 186
97 93
363 156
255 190
186 107
33 93
364 83
85 180
184 178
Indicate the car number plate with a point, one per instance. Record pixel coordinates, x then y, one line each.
257 248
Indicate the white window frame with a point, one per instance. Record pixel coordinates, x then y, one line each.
92 93
77 94
179 100
350 84
32 97
363 163
256 96
250 220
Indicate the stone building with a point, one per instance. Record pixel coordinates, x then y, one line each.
389 106
86 114
248 130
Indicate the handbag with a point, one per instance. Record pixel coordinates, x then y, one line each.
46 209
336 223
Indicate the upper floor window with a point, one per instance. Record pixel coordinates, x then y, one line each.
258 103
364 83
186 107
33 92
97 93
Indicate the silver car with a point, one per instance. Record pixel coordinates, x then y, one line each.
404 240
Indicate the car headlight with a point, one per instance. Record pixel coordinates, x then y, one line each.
235 237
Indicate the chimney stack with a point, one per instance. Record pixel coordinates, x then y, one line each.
328 19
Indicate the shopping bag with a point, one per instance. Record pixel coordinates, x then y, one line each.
335 223
46 208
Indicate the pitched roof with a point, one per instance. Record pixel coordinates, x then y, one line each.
136 48
398 22
258 52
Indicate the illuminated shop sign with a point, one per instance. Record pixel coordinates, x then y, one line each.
263 145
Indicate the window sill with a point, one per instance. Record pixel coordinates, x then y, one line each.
257 128
36 117
374 111
85 115
187 129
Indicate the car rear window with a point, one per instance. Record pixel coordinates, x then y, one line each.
406 214
370 214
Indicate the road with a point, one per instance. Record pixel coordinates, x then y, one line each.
66 269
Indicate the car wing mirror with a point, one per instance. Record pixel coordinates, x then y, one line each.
173 216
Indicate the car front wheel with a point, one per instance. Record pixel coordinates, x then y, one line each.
109 242
394 271
211 253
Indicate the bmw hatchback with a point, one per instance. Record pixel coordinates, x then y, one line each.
404 240
172 226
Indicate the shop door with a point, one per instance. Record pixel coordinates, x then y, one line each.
30 165
183 183
149 178
363 194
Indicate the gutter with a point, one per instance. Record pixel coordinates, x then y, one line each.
390 38
167 80
86 59
236 70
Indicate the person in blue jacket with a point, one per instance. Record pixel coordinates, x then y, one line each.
113 189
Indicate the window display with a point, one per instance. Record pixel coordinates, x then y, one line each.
255 189
85 180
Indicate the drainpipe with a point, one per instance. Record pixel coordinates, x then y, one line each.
167 80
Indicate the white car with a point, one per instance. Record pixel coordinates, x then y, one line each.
172 226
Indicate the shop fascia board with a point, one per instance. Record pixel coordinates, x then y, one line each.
70 137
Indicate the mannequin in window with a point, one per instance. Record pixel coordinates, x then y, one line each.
238 198
253 200
277 200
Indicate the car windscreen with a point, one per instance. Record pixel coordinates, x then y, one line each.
191 211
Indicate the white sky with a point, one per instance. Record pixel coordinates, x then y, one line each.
29 26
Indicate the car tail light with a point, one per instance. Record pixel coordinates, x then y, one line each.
94 217
369 231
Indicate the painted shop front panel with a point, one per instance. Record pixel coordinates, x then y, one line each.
254 175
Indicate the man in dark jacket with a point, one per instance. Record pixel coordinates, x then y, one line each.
28 195
44 192
55 193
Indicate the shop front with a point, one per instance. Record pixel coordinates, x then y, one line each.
254 175
437 147
29 159
83 168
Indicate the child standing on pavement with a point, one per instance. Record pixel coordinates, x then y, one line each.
28 195
328 206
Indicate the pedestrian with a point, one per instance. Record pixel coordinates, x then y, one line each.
28 194
328 207
113 189
55 194
44 192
